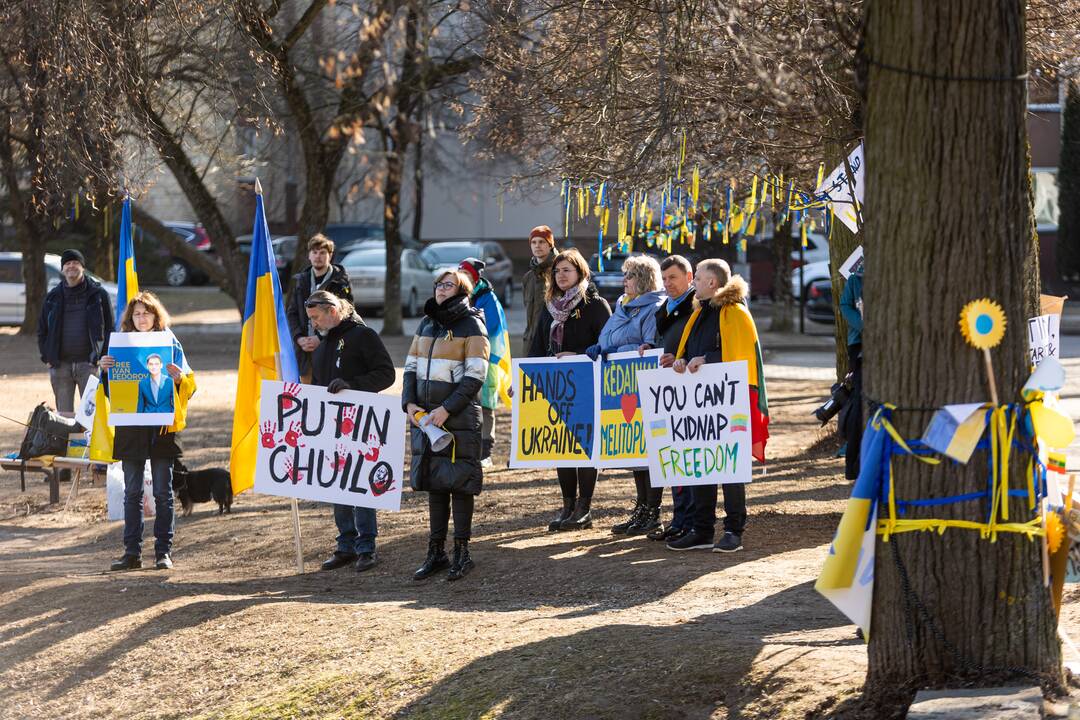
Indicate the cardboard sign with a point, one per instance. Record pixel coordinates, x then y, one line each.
622 429
836 188
141 392
853 264
346 448
955 430
1044 337
698 424
84 411
555 410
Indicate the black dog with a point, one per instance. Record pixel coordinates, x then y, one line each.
192 486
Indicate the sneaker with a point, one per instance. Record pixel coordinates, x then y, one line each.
163 562
691 540
665 533
128 562
729 543
366 561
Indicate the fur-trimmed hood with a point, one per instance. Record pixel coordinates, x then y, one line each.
735 291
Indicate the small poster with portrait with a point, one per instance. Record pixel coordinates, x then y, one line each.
141 391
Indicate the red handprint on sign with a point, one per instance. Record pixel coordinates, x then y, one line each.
340 454
292 436
372 453
268 439
291 473
348 420
289 395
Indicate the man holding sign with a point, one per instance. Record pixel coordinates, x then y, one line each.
722 330
351 356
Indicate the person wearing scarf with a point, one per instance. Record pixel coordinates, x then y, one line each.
633 327
444 373
570 323
721 329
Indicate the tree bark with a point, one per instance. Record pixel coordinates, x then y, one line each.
948 221
842 242
418 187
783 303
29 231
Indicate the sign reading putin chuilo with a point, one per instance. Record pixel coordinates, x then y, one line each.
622 429
554 412
346 448
697 424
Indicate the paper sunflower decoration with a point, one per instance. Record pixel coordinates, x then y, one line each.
982 322
1055 532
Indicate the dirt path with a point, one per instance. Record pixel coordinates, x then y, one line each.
548 626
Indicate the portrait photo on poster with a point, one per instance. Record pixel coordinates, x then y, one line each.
141 391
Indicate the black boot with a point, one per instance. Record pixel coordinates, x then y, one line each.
635 516
436 560
648 521
462 561
567 511
580 519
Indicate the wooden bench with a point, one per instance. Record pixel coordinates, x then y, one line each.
51 466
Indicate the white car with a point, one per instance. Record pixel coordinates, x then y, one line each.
367 274
13 290
811 272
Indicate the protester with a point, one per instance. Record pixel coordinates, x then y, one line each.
671 318
534 284
73 329
721 329
497 385
570 322
851 416
632 327
134 445
321 274
351 356
444 373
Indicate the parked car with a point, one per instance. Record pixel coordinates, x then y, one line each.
819 304
811 273
13 289
284 251
762 268
367 272
498 269
177 271
610 282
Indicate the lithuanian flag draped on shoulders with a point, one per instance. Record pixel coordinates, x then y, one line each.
266 350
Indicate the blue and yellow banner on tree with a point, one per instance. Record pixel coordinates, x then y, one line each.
622 427
554 413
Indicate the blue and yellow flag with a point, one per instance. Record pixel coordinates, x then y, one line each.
497 385
266 349
127 278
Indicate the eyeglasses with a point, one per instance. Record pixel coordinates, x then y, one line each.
445 285
141 314
316 303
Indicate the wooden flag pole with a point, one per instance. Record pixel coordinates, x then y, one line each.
296 536
990 376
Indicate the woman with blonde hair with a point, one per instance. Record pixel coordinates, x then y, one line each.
570 322
134 445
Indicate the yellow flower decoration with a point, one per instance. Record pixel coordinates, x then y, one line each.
982 322
1055 532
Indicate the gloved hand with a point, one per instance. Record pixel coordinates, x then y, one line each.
593 351
337 385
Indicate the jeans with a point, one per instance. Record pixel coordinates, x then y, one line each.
682 515
440 506
161 474
64 378
357 529
705 508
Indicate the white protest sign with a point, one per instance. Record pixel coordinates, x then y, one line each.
84 412
1044 333
853 264
697 425
346 448
836 188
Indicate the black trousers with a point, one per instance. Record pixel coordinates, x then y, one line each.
647 495
853 414
705 508
439 510
577 482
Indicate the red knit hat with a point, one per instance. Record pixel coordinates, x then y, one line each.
472 266
545 232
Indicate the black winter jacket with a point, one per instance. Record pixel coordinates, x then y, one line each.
99 322
296 314
581 329
355 353
447 366
669 328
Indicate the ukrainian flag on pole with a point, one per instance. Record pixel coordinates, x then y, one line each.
266 351
127 287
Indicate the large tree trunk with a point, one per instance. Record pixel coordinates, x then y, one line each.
31 237
783 303
948 221
842 242
418 187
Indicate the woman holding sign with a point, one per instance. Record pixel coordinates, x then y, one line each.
134 445
444 372
632 325
570 323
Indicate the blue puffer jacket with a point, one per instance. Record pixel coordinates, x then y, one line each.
632 323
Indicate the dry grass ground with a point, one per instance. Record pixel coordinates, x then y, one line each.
569 625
